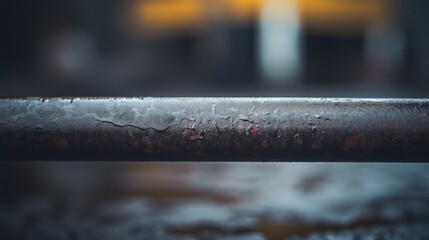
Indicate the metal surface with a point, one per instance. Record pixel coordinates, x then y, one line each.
221 129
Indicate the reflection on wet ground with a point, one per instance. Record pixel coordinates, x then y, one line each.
60 200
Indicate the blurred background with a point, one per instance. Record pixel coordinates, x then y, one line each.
214 47
344 48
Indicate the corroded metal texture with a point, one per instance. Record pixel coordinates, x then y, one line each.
221 129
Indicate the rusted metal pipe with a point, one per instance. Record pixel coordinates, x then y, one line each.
215 129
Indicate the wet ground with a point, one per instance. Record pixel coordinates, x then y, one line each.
59 200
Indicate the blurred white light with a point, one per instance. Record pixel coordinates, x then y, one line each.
279 40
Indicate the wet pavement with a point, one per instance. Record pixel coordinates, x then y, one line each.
76 200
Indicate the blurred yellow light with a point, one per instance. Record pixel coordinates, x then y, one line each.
316 15
341 15
243 10
170 15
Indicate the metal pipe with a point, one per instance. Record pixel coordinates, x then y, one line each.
215 129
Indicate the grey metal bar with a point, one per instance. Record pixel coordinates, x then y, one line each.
215 129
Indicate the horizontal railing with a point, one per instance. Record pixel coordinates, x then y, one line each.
215 129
